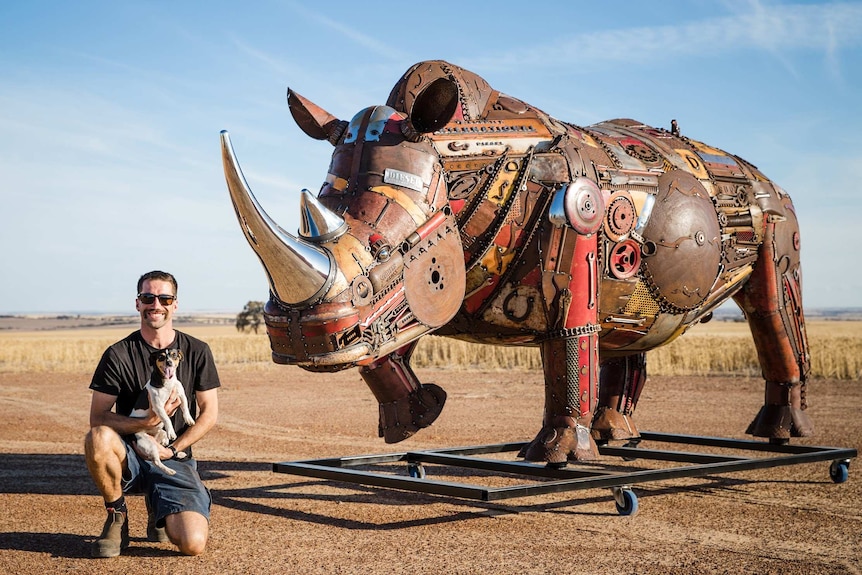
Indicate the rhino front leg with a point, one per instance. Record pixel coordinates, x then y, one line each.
570 368
406 406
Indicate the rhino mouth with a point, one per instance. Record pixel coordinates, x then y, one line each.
333 336
325 337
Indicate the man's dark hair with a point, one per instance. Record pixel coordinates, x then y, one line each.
159 276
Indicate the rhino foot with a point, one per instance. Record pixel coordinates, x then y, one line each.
558 445
611 424
781 422
405 416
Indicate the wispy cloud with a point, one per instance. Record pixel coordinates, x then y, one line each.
110 140
280 66
776 29
364 41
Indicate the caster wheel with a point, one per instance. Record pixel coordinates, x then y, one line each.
626 501
839 470
416 470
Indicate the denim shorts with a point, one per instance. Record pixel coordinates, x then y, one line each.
167 494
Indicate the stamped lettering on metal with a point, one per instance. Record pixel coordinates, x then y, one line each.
404 179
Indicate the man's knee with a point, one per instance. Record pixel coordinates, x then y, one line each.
193 543
100 441
189 531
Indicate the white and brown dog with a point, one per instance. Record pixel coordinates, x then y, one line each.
162 382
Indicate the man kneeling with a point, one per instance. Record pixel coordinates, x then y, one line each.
178 504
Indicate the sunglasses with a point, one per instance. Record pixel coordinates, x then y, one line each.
164 299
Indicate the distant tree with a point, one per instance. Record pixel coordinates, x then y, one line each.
251 316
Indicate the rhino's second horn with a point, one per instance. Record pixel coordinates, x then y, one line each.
318 223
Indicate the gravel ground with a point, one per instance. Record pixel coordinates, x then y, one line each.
782 520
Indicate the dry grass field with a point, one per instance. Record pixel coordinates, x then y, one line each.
783 521
716 348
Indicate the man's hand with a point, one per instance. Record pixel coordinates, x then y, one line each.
164 452
171 406
173 403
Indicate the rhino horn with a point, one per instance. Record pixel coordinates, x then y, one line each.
318 223
298 271
314 120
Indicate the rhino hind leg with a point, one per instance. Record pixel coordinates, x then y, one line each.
621 380
772 303
406 405
569 368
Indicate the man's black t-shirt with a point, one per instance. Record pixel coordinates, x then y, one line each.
125 369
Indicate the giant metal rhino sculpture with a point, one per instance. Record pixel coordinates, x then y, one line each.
459 210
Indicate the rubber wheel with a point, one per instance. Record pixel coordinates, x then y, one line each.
416 470
839 471
626 502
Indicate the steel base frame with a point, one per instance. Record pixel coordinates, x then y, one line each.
550 479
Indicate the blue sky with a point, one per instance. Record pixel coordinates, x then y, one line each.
110 114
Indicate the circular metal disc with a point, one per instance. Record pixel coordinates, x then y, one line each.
584 206
434 277
684 228
620 215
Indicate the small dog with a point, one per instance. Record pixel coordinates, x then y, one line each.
162 382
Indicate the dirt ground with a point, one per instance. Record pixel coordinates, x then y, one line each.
782 520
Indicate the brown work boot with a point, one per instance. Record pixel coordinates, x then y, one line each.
157 534
114 537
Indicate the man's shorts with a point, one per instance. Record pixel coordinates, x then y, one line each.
167 494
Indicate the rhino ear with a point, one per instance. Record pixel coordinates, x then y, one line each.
435 106
314 120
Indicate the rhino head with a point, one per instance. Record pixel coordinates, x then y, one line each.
377 261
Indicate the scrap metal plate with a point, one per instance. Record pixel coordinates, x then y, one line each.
435 278
684 229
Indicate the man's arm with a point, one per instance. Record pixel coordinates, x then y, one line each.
206 418
101 413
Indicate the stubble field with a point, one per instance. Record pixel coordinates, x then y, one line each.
785 520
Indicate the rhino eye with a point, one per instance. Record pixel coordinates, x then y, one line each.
380 249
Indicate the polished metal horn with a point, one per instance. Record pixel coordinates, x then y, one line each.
317 222
298 272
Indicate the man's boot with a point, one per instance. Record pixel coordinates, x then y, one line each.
114 537
157 534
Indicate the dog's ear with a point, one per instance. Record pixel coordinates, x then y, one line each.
180 355
153 357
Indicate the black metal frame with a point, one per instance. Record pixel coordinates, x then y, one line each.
570 478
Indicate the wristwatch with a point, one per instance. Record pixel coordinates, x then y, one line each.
179 456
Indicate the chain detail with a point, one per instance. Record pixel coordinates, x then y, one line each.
578 331
493 171
488 237
539 210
